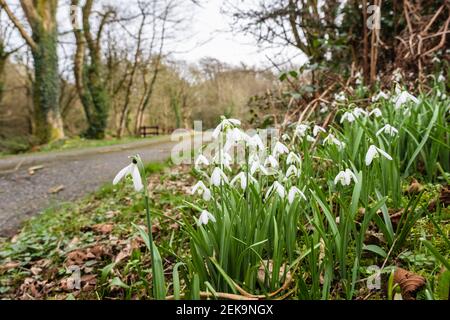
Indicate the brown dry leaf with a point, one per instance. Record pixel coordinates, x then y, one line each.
410 283
174 226
268 264
56 189
76 257
395 217
444 197
103 228
32 170
372 237
125 253
35 270
9 265
415 187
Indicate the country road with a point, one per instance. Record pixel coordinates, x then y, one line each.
80 172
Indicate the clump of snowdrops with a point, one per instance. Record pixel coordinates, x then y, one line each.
295 213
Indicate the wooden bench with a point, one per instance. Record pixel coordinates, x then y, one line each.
146 131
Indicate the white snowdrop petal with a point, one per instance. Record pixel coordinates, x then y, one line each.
384 154
137 180
122 173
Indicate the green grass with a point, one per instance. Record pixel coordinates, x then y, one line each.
57 232
66 144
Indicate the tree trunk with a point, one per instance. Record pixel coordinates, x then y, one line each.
90 85
46 86
41 16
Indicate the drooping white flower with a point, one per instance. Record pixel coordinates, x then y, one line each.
201 189
380 95
279 149
133 170
331 139
257 166
256 142
310 138
317 130
404 97
224 159
376 112
218 177
293 192
323 108
204 218
348 116
242 178
292 170
345 177
271 161
301 129
293 158
388 129
278 188
375 152
358 112
340 97
223 125
201 160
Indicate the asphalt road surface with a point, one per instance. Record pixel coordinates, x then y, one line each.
80 172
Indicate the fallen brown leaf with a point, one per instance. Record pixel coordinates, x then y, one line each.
32 170
103 228
409 282
415 187
56 189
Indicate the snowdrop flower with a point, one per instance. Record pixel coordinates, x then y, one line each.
201 160
256 142
218 177
242 177
204 218
202 189
133 170
349 116
280 149
388 129
293 192
293 158
235 135
292 170
310 138
403 98
278 188
441 78
323 108
317 130
301 129
375 152
332 139
340 97
380 95
223 158
358 112
226 123
256 166
376 112
272 161
345 177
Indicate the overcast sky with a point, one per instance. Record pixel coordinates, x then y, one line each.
206 34
211 36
